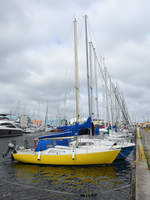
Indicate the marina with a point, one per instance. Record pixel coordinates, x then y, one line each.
74 106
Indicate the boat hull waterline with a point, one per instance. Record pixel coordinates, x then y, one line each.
106 157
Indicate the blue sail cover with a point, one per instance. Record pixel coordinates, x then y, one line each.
84 125
45 144
73 131
47 141
96 130
60 134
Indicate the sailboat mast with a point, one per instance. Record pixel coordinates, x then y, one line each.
76 70
91 76
88 78
87 63
95 66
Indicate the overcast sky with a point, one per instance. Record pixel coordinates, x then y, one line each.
37 53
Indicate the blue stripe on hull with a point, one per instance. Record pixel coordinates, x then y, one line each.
125 151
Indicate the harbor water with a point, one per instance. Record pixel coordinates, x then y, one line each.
28 182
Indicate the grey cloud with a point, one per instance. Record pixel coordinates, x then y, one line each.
37 55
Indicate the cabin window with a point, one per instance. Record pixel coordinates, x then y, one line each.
11 126
85 143
8 125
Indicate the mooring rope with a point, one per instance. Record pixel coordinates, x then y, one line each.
119 188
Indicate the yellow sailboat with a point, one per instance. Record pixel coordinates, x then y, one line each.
68 155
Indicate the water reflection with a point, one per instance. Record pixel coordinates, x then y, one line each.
75 179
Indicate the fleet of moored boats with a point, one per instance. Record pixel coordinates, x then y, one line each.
68 147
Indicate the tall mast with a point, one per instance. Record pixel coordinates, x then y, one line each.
87 63
106 92
91 77
76 70
95 66
88 78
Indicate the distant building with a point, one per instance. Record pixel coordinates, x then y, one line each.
37 122
146 125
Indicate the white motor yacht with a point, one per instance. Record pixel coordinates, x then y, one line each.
9 129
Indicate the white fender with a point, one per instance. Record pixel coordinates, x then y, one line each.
39 155
73 155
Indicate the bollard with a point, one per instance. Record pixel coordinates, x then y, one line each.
141 152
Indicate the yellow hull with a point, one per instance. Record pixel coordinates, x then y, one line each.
105 157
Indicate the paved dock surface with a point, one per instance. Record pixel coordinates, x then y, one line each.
142 171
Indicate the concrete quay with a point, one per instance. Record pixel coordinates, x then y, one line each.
142 173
